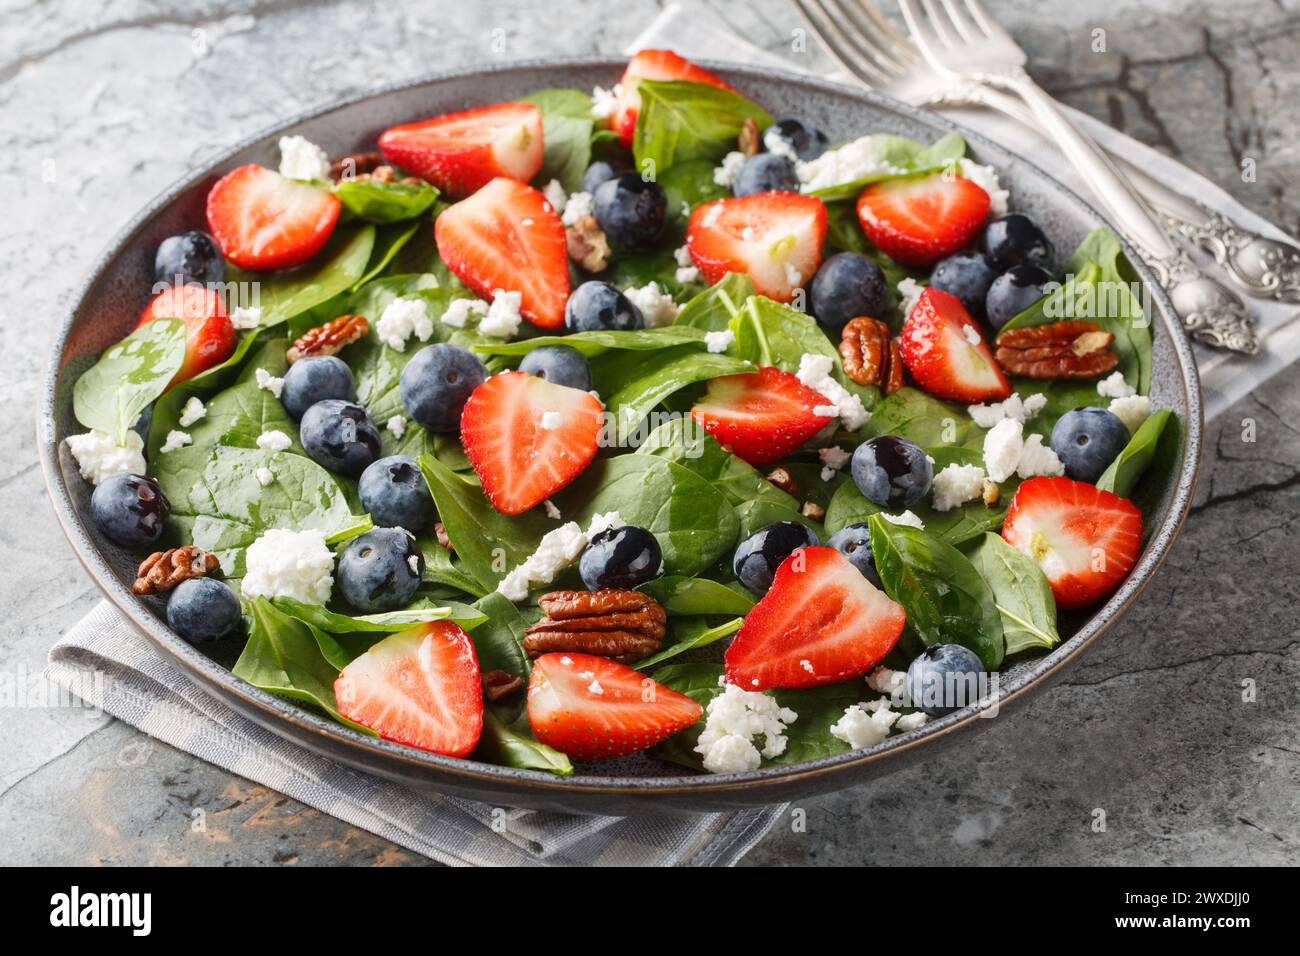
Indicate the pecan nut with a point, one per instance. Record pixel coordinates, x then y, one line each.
624 625
749 142
871 355
355 165
1058 350
587 244
813 511
782 478
498 685
163 570
440 532
330 338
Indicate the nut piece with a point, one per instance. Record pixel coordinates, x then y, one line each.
587 244
813 510
748 142
440 532
782 478
163 570
990 492
1058 350
497 685
624 625
329 338
361 167
871 355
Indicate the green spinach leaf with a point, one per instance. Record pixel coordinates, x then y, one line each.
381 202
601 341
499 641
508 740
849 506
758 514
1123 474
111 394
680 121
567 126
332 271
696 596
693 633
1021 592
899 156
682 441
714 308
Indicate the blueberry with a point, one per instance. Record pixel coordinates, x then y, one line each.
312 380
630 210
193 256
203 609
944 678
602 170
395 493
892 472
559 364
437 382
380 570
1087 441
130 510
340 436
806 141
759 555
846 286
620 558
966 276
854 543
1014 291
596 306
766 173
1013 240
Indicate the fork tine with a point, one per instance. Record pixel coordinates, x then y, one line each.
921 34
940 25
825 29
985 21
861 32
970 30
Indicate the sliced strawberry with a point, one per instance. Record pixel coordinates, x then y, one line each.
520 460
919 220
263 221
507 236
774 237
420 687
821 622
461 152
209 336
652 65
760 416
944 351
1085 539
593 708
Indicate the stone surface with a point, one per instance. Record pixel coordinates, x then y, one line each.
101 105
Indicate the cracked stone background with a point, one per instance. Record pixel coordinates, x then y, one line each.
103 104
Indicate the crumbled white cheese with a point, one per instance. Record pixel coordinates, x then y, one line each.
396 426
176 439
556 196
826 411
815 372
859 729
99 457
656 306
604 522
956 485
1022 410
733 719
986 178
725 174
856 160
503 317
604 102
910 721
401 319
888 682
269 382
1115 386
686 269
909 290
682 256
459 311
274 440
1132 410
551 421
265 476
193 411
294 564
687 274
302 159
1038 459
552 512
720 340
556 551
413 562
907 518
833 459
578 205
777 145
246 318
594 687
1002 447
972 335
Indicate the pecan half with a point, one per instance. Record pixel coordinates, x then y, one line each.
587 244
1058 350
624 625
498 685
870 354
782 478
329 338
163 570
813 510
440 532
355 165
748 141
990 493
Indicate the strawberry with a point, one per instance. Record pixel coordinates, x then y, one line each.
1083 538
263 221
652 65
520 460
760 416
593 708
774 237
419 687
821 622
944 351
507 236
461 152
919 220
209 336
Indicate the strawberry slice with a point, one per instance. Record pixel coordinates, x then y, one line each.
944 351
527 438
263 221
461 152
760 416
507 236
1085 539
652 65
774 237
209 336
420 687
593 708
821 622
919 220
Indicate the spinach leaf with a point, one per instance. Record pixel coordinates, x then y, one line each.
508 740
771 333
389 242
641 268
758 514
849 506
680 121
598 342
680 440
714 308
111 394
688 185
499 641
946 600
698 632
900 156
930 423
289 292
332 622
440 567
567 126
693 596
381 202
1130 464
1021 592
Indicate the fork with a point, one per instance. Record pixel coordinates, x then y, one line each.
868 47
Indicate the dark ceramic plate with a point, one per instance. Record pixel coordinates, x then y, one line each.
111 299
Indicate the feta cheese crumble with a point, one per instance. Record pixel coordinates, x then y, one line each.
604 102
552 420
556 551
579 204
1038 459
1002 447
1132 410
732 721
719 341
294 564
686 269
413 562
1022 410
777 145
687 274
907 518
556 196
909 291
274 440
656 306
726 173
396 426
833 459
957 484
244 319
459 311
99 457
300 158
891 683
972 335
265 476
401 319
815 372
910 721
849 163
552 512
503 317
193 411
1114 386
986 178
176 439
859 729
269 382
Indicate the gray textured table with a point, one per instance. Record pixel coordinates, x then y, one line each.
103 104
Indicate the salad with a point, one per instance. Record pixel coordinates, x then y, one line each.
557 430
